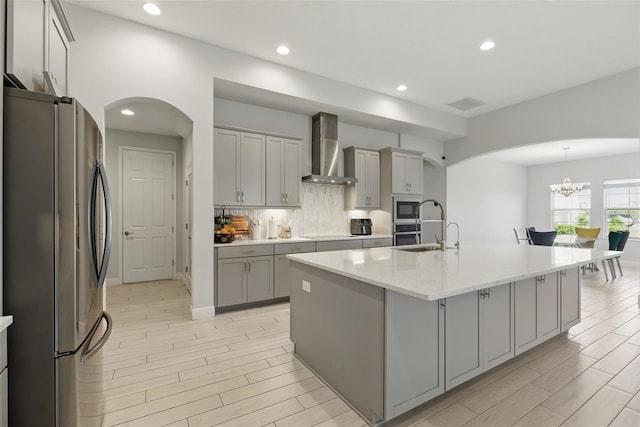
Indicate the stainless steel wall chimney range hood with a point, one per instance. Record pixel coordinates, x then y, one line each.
324 152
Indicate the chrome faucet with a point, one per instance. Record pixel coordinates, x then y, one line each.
443 244
457 244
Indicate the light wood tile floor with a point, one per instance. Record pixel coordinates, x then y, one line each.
161 369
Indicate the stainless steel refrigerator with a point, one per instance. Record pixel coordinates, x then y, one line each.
57 241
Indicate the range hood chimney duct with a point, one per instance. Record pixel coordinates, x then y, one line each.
324 151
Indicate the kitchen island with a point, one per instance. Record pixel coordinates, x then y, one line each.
391 328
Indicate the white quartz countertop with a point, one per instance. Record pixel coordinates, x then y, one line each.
432 275
298 239
5 322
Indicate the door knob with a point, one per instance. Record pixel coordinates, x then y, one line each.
126 233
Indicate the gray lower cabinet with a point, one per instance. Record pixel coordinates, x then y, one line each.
478 332
377 243
414 352
498 323
231 284
242 280
282 267
337 245
537 310
259 278
570 298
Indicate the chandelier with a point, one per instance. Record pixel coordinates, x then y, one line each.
566 188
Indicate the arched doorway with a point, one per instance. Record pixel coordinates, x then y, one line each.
148 145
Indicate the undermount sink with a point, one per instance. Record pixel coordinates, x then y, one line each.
421 248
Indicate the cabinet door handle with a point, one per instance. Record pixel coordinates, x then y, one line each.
244 267
249 264
242 196
282 197
237 196
443 305
563 273
488 292
286 198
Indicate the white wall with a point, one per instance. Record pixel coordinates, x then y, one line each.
594 171
114 139
487 199
604 108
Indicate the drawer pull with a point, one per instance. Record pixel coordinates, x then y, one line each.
247 252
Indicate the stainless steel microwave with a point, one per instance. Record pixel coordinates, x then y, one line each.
404 209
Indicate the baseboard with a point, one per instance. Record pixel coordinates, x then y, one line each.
113 282
203 312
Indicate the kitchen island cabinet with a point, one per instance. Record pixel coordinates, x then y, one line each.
537 310
479 333
432 319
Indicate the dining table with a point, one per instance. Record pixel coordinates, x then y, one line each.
571 240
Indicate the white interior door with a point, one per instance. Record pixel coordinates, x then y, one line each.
147 215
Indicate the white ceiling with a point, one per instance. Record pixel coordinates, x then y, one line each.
431 46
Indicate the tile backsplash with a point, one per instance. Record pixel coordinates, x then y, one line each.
322 212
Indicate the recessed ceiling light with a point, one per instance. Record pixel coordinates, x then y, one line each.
487 45
152 9
401 88
283 50
127 112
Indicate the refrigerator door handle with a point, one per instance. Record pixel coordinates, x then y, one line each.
108 224
88 353
91 213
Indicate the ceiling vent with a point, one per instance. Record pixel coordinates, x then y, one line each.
467 103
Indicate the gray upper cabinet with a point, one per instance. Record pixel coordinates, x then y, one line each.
537 310
25 53
57 59
38 37
283 172
479 333
365 166
403 168
570 297
407 174
239 168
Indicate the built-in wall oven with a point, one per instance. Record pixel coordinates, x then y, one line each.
406 234
406 230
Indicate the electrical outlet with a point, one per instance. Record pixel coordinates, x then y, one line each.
306 286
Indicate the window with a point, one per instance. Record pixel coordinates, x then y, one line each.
572 211
622 206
